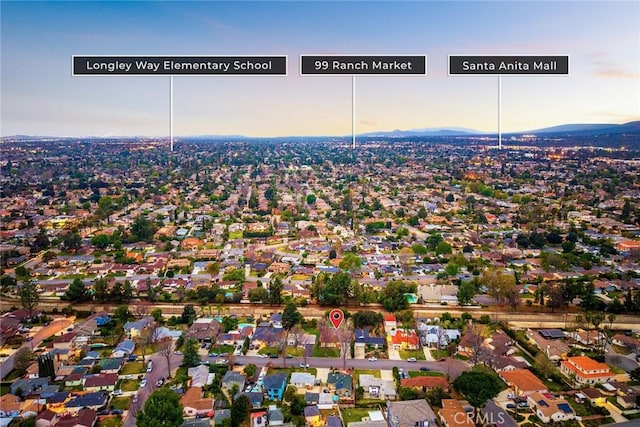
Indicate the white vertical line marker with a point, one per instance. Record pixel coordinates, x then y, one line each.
500 111
171 111
353 111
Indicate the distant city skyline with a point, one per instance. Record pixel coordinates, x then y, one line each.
40 97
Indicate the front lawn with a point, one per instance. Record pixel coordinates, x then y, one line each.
374 372
406 354
129 385
351 415
122 402
413 374
326 352
115 421
437 354
133 368
269 350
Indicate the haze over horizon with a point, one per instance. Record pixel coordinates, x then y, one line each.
40 97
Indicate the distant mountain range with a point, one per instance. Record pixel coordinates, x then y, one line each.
560 130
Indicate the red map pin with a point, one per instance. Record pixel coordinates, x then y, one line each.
337 317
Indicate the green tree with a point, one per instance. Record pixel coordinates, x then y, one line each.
351 263
161 409
189 314
122 313
190 356
229 323
101 241
311 199
250 370
29 295
259 294
477 387
101 289
275 291
466 292
240 410
71 241
443 248
157 315
336 291
291 316
77 291
142 229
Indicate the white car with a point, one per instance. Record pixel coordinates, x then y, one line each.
372 359
143 383
116 393
412 359
302 365
264 356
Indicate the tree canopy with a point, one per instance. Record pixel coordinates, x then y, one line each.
161 409
477 387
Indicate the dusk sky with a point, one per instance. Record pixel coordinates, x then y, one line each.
40 97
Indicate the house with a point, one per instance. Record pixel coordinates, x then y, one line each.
275 385
390 321
302 379
323 400
100 382
276 417
342 384
410 413
85 417
507 363
624 341
200 376
594 395
111 365
425 382
10 406
124 349
63 342
313 417
56 402
259 418
376 388
362 336
628 401
267 336
586 370
23 387
550 409
405 340
454 413
135 328
438 336
254 397
47 418
334 421
95 401
194 404
523 382
232 377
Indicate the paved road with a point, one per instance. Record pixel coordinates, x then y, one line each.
160 369
53 328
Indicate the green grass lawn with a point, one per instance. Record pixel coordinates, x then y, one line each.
413 374
269 350
290 369
122 402
418 354
350 415
437 354
374 372
115 421
5 388
295 351
235 235
326 352
129 385
133 368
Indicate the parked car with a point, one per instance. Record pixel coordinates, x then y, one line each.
178 352
116 392
103 412
372 359
273 356
302 365
412 359
132 357
262 355
424 368
117 412
511 406
143 383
